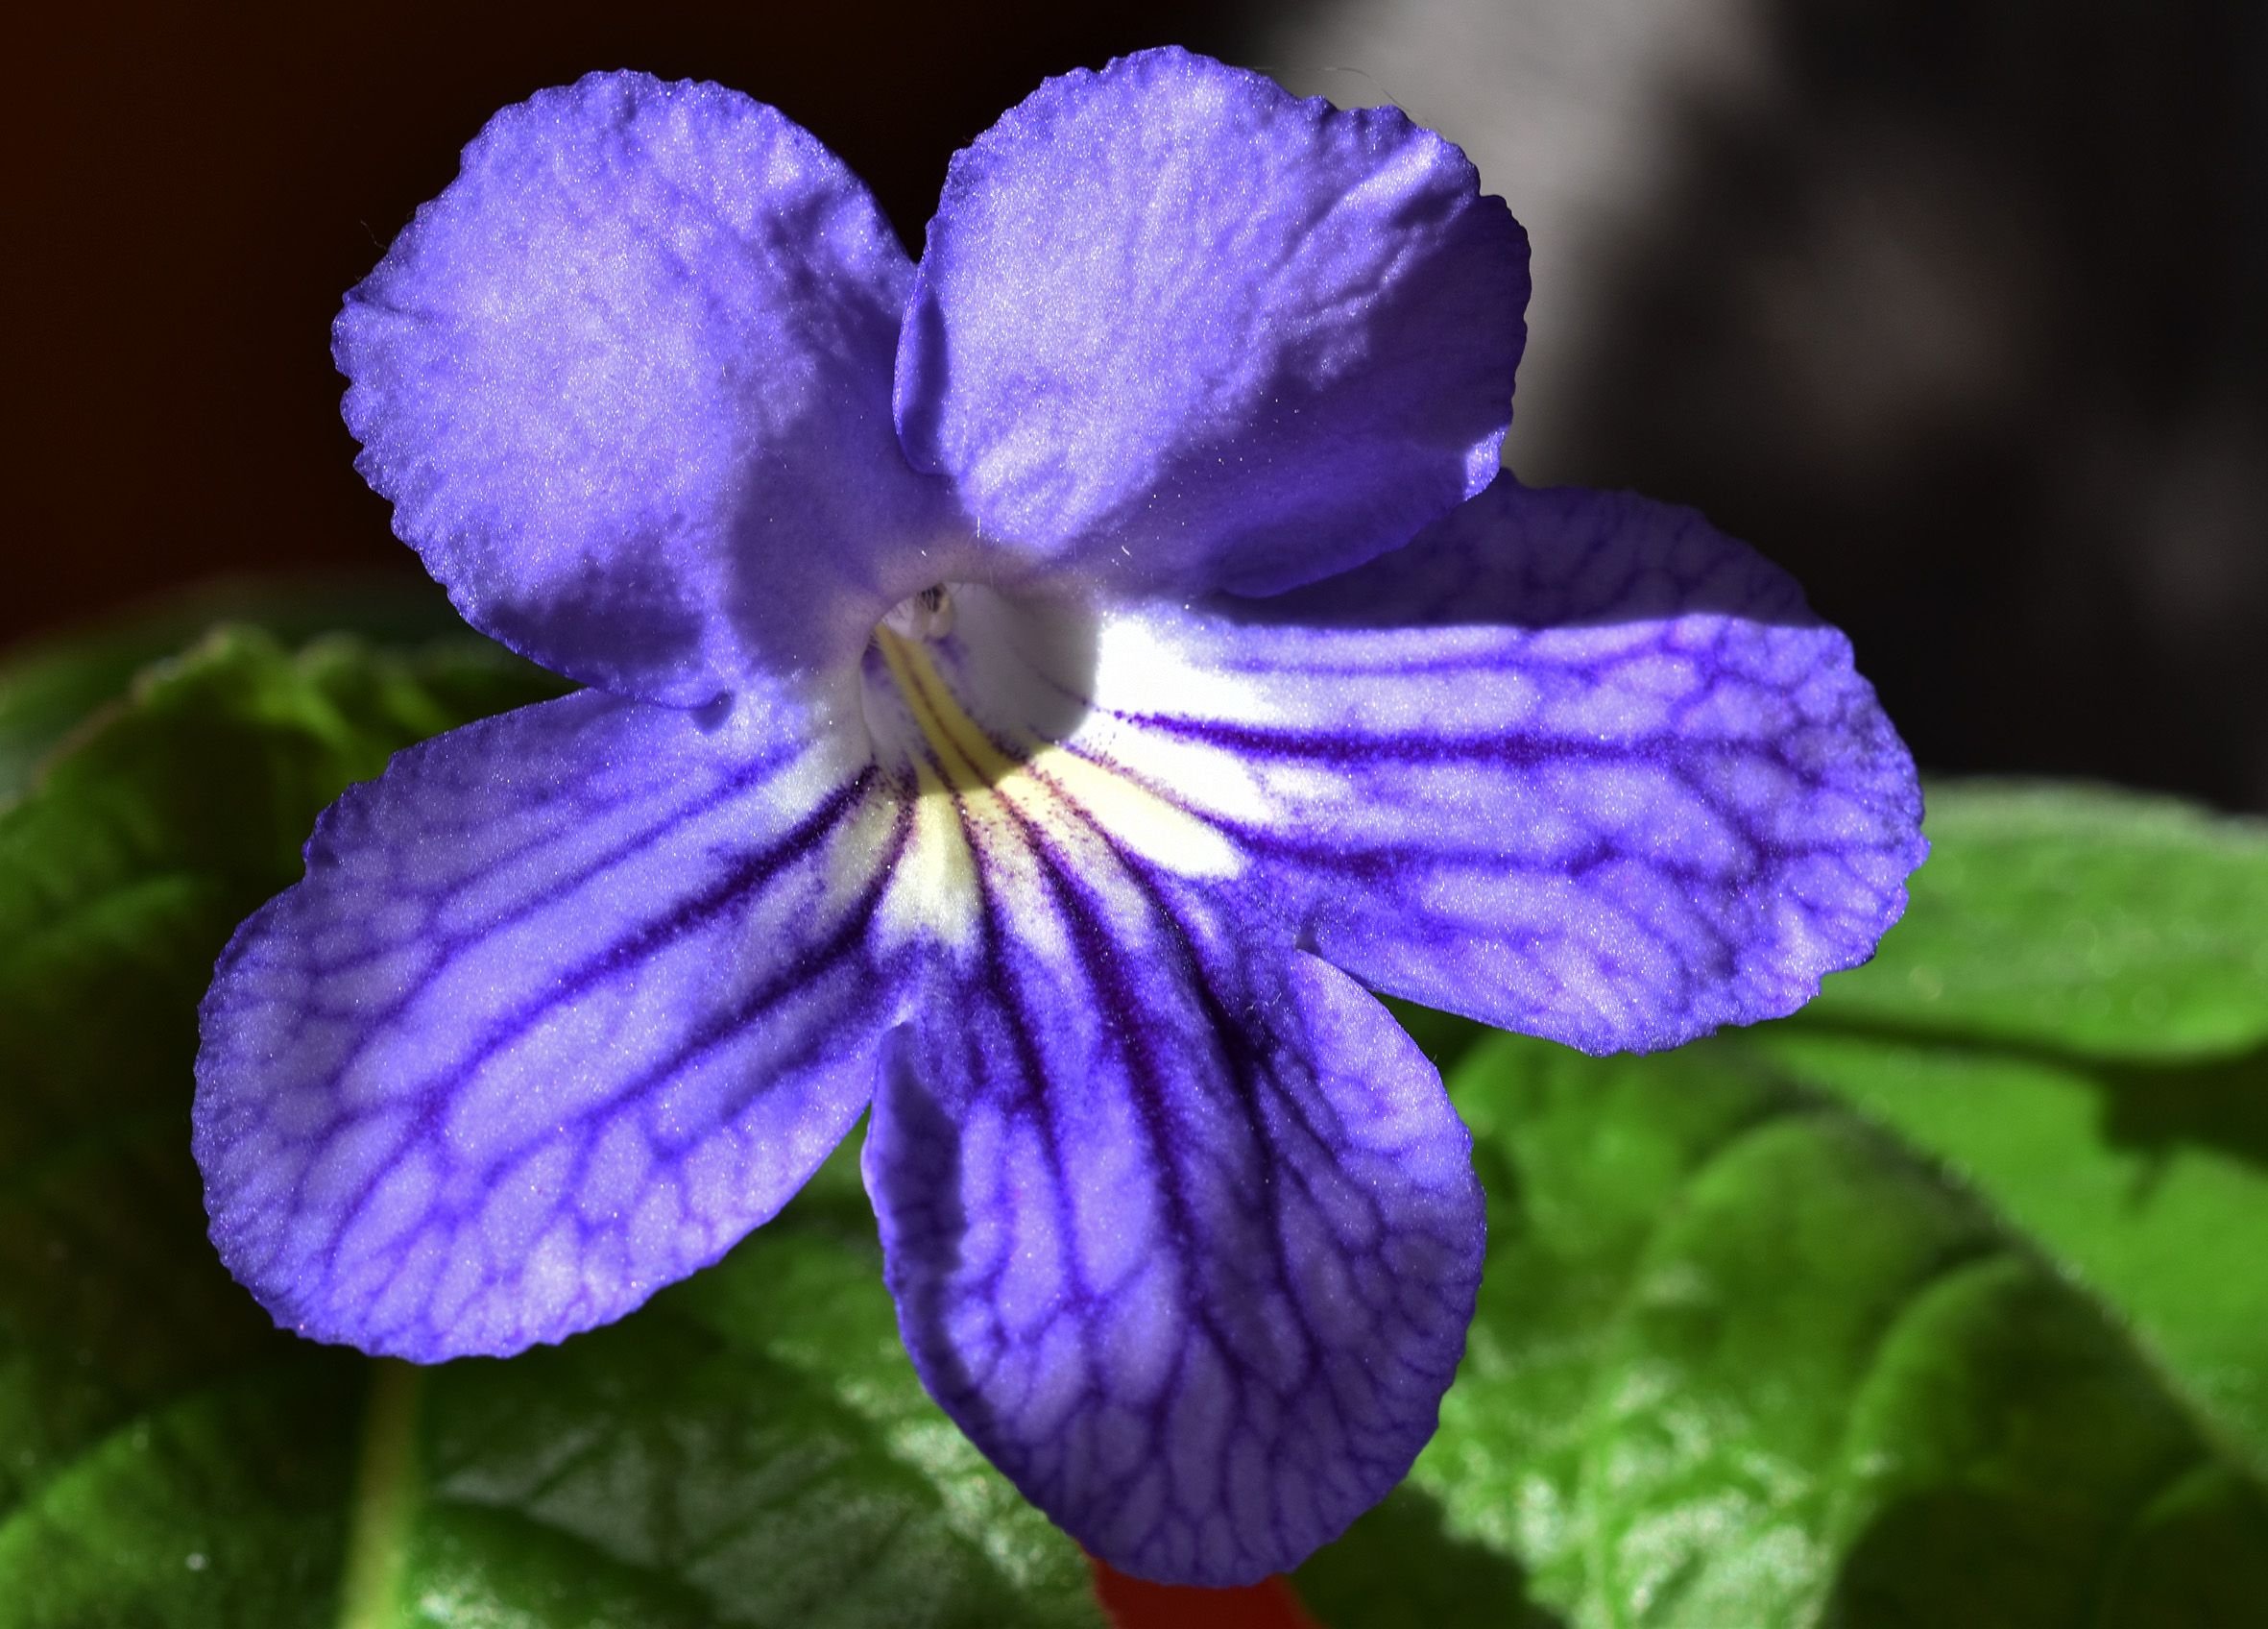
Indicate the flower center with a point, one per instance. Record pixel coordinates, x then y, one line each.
927 614
978 707
970 684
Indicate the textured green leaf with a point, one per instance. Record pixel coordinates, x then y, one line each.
2078 918
1742 1359
1993 1348
2075 1020
752 1448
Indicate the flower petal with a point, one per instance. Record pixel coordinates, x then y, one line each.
568 1001
1184 1237
1572 763
1177 328
627 383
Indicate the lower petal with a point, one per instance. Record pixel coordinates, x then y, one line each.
1570 763
568 1001
1184 1237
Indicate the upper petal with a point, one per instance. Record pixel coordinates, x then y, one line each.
627 383
1572 763
1175 327
1182 1229
568 1001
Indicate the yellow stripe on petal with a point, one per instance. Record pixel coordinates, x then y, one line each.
934 892
998 801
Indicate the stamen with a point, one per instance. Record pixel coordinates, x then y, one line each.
927 614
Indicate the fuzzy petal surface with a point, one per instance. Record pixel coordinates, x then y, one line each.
568 1001
627 383
1175 328
1572 763
1183 1230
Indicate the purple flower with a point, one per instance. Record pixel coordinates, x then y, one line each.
1036 696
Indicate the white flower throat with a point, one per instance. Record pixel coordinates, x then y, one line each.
978 705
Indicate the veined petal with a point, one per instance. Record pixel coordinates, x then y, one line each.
1183 1231
1572 763
627 383
1177 328
568 1001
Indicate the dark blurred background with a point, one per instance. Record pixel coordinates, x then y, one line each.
1955 307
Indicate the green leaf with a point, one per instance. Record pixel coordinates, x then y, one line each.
1940 1302
1741 1359
751 1449
47 688
2074 1019
2081 918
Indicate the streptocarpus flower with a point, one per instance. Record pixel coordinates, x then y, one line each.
1037 695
